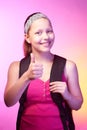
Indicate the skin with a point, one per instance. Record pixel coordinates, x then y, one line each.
41 37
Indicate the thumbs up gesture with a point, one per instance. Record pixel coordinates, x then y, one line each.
35 70
32 58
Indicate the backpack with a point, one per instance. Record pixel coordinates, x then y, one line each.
55 75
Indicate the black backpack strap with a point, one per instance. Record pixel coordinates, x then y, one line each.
24 64
56 75
57 68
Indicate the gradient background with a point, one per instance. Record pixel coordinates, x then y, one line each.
69 19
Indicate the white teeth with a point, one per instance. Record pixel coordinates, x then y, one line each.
45 42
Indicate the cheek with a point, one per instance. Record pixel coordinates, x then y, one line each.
52 37
36 39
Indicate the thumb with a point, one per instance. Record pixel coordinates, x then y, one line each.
32 58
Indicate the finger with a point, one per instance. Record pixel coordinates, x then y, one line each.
59 83
32 58
52 83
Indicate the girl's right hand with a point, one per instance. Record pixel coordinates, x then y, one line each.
35 70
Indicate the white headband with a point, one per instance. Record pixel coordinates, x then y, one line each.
32 19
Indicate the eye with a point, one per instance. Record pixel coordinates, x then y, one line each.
49 31
39 33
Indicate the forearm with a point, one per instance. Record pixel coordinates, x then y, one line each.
73 101
13 94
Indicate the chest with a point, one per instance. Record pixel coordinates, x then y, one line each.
46 72
38 91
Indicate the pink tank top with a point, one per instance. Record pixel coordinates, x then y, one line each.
40 113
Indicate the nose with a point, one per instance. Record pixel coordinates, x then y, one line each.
45 35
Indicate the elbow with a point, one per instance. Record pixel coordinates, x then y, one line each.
79 105
8 101
8 104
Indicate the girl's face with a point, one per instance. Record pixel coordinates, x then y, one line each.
41 35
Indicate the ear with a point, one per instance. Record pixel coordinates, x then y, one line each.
27 38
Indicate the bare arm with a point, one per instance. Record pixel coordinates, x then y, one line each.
70 90
15 86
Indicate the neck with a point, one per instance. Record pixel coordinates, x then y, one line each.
42 57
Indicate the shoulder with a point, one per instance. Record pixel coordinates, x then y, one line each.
14 67
70 69
16 64
13 70
70 65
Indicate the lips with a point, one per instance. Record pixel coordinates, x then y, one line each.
45 43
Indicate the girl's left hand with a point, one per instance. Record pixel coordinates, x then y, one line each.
59 87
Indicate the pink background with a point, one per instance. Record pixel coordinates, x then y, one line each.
69 19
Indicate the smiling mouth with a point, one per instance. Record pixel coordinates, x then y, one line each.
45 43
